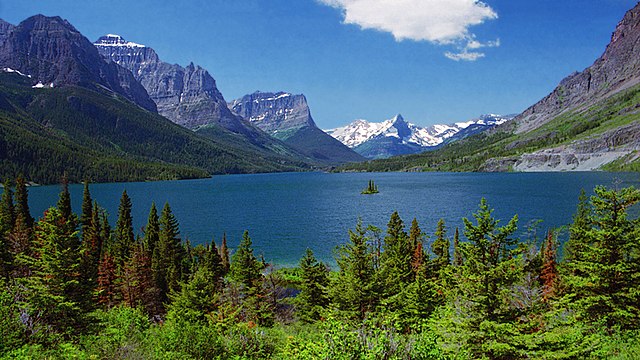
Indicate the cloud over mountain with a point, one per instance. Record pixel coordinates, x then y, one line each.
442 22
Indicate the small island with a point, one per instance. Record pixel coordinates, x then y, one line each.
372 188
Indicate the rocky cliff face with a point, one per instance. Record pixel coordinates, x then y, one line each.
52 51
616 70
274 112
288 117
187 95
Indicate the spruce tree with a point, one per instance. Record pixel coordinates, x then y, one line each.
396 259
603 275
86 217
91 251
549 271
457 256
313 297
22 203
213 263
224 255
124 238
7 212
152 230
168 255
354 290
64 200
245 268
440 248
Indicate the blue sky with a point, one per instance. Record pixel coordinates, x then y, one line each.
363 59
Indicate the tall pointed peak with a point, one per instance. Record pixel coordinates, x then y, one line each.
398 119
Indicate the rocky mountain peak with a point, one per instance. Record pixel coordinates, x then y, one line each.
273 112
115 40
52 51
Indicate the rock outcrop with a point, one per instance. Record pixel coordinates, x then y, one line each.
288 117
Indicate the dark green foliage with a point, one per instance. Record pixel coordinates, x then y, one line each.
245 268
440 248
7 212
353 289
86 216
313 298
604 271
152 230
22 203
123 237
224 255
168 255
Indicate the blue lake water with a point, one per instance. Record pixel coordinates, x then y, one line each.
286 213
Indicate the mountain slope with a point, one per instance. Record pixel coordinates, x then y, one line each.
48 131
188 96
590 121
54 53
287 117
397 137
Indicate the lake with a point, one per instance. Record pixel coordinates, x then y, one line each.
286 213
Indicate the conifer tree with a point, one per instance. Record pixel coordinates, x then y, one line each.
396 259
575 246
354 290
22 203
245 268
7 212
313 297
457 256
124 238
152 230
7 222
213 263
107 292
416 238
440 248
167 259
224 255
139 288
86 217
91 251
64 201
603 275
54 283
549 271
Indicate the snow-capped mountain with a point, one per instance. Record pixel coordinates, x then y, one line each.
398 137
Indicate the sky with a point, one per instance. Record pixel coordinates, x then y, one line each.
433 61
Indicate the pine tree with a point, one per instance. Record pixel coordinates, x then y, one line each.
107 292
213 263
603 275
354 289
224 255
440 248
152 230
54 283
245 268
575 246
22 203
395 261
139 288
64 201
91 252
168 255
7 222
457 256
549 272
87 212
313 297
124 238
416 238
7 212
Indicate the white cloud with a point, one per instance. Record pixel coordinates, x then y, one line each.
442 22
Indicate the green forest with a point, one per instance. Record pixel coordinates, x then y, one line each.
77 287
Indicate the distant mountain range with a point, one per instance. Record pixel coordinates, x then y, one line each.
590 121
398 137
287 117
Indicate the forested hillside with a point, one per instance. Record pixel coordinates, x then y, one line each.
76 286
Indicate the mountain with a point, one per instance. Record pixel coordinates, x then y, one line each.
287 117
63 108
54 53
590 121
398 137
45 132
188 96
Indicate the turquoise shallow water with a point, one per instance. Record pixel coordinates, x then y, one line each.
286 213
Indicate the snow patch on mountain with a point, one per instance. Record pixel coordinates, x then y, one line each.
361 131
